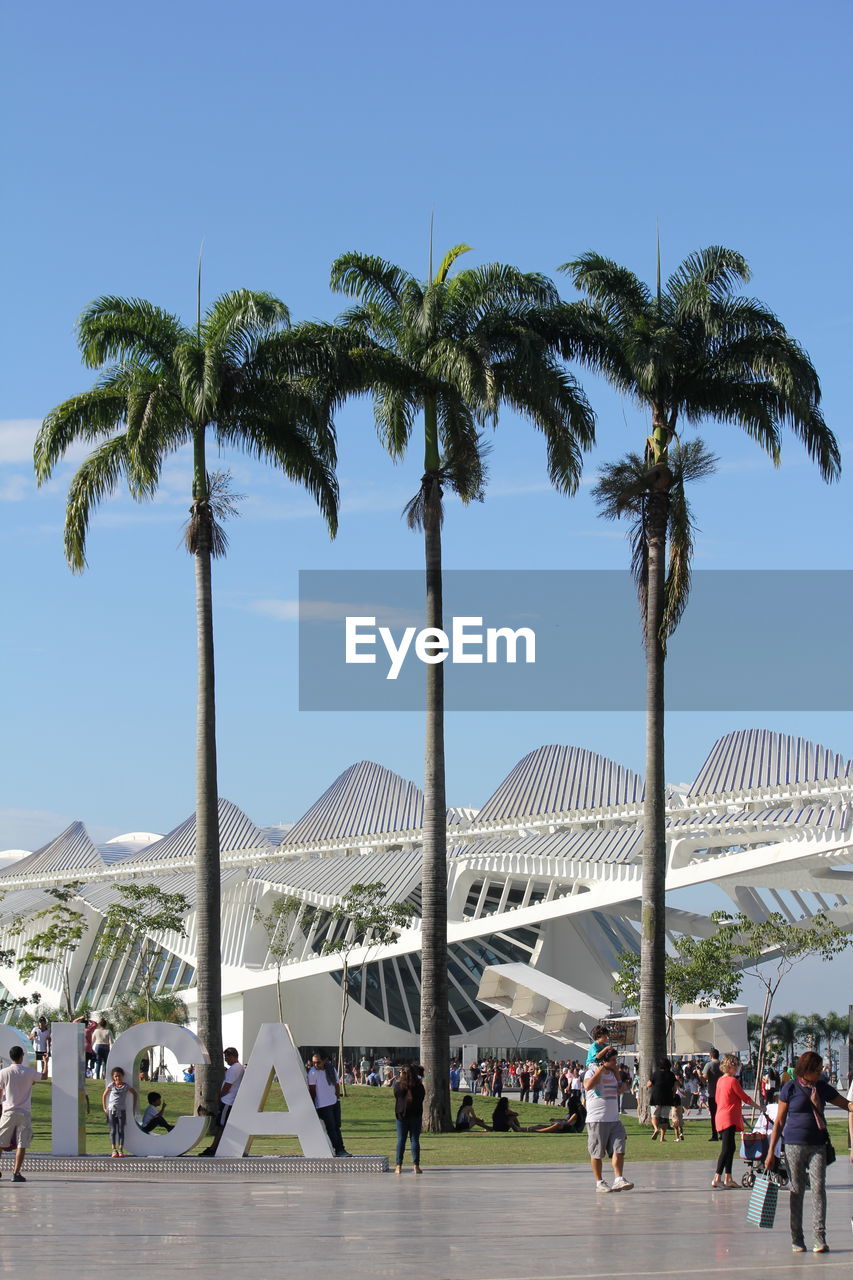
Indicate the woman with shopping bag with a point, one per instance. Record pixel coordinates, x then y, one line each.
800 1121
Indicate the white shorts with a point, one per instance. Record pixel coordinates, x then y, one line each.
16 1128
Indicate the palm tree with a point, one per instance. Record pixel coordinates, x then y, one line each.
686 352
835 1026
754 1026
786 1028
454 349
239 375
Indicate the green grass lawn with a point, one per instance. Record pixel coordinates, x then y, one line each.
368 1128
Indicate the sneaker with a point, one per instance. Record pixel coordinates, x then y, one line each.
115 1155
602 1187
622 1184
821 1248
348 1154
19 1177
798 1248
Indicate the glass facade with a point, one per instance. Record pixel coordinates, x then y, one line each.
390 988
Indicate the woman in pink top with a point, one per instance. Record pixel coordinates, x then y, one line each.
729 1121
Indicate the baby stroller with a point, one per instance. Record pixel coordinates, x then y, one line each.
753 1150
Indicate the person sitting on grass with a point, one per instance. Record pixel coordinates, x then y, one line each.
572 1122
153 1116
504 1120
467 1118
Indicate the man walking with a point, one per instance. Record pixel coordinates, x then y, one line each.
606 1131
712 1073
16 1091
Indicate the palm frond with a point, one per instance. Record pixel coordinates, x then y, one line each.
368 278
704 277
89 416
447 262
239 320
617 291
688 461
128 329
464 449
96 478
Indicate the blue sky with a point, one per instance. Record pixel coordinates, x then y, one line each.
282 136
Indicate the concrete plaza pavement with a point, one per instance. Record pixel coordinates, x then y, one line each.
497 1223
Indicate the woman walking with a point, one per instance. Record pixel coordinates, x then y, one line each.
409 1110
730 1100
800 1120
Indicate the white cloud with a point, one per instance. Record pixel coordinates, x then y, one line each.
16 487
17 437
334 611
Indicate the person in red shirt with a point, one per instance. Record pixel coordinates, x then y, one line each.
729 1119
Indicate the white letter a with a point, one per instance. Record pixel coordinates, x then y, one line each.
274 1053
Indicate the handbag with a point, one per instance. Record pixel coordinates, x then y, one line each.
830 1152
763 1202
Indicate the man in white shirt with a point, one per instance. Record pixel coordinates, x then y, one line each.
40 1036
606 1132
16 1091
234 1072
324 1087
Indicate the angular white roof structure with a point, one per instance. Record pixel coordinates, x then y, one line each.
366 800
544 884
559 779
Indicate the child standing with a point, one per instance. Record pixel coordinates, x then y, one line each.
114 1102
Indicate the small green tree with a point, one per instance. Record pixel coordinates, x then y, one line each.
768 950
369 921
144 911
696 973
56 942
279 924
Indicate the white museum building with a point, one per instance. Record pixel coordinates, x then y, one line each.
544 886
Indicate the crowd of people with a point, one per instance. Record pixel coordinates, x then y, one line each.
791 1101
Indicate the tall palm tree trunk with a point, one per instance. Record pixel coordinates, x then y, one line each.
435 1029
208 893
653 943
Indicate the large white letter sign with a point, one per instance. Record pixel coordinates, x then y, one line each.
68 1117
187 1048
274 1053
